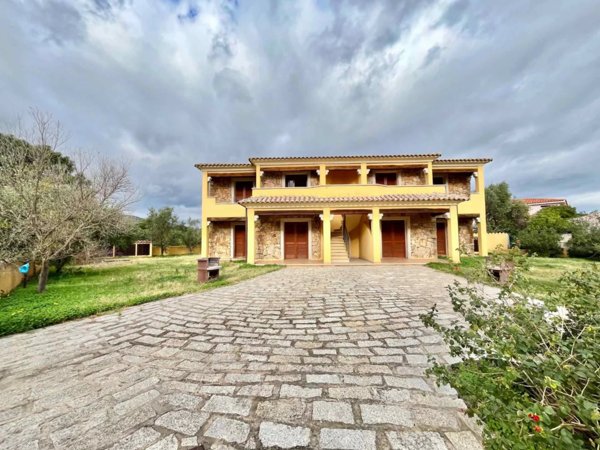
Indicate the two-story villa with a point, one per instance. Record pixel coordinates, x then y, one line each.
334 209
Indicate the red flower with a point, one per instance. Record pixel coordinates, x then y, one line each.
534 417
537 429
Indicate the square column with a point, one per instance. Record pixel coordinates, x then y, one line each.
259 174
453 240
322 172
429 173
482 236
376 235
204 220
364 172
250 235
326 218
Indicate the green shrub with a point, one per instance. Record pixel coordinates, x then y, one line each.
529 370
543 241
585 242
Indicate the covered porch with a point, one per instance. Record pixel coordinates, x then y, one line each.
353 234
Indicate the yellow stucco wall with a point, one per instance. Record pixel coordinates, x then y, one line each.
498 241
173 250
366 241
10 277
346 190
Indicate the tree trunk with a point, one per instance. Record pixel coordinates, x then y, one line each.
43 278
162 250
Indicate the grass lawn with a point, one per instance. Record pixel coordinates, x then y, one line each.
543 273
86 290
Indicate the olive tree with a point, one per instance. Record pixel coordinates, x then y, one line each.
51 206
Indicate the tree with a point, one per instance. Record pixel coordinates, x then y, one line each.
504 213
161 225
585 241
545 229
189 233
52 206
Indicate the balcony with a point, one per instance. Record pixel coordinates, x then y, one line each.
473 206
216 210
347 190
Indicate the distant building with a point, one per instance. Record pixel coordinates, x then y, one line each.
535 205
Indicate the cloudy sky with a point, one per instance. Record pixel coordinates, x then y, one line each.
168 83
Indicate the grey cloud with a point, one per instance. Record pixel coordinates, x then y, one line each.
58 22
229 84
517 82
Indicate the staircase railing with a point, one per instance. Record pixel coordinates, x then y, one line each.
346 237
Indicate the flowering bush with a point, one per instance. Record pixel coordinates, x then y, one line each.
529 370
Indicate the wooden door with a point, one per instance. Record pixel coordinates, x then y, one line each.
243 189
393 235
386 178
441 238
296 240
239 241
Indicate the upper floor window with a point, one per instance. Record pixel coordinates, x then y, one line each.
243 189
388 178
296 180
439 179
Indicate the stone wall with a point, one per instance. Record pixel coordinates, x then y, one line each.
316 229
412 177
220 188
268 238
465 234
459 183
313 178
423 241
219 239
272 179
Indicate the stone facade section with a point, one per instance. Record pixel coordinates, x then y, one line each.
316 229
412 177
465 235
272 179
423 241
220 189
268 238
459 183
219 239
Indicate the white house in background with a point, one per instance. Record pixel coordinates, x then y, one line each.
535 205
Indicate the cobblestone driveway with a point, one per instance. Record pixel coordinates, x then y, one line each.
315 357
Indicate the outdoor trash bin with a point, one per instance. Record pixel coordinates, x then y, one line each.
208 269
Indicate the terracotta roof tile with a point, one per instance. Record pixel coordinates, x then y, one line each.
462 161
219 165
366 199
302 158
536 201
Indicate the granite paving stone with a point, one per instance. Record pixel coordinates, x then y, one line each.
305 357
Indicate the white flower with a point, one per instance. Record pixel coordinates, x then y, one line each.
562 312
535 302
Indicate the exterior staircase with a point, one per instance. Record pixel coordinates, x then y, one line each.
339 254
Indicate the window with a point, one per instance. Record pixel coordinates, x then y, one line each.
440 179
296 180
473 183
243 189
388 178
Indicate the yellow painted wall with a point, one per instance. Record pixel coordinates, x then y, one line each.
366 241
498 239
337 222
173 250
353 226
344 190
343 177
214 209
10 277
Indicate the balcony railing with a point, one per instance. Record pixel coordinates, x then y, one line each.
347 190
